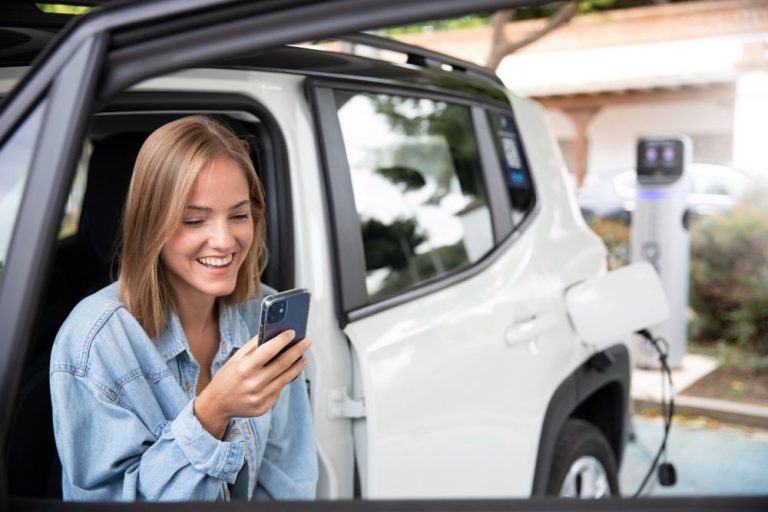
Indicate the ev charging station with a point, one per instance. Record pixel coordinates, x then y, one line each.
659 235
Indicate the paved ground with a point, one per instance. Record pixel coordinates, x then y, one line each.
724 461
646 383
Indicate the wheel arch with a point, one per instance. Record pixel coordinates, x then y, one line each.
597 391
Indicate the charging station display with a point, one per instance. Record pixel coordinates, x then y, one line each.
659 235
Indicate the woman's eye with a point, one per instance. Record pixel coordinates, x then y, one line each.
240 216
192 222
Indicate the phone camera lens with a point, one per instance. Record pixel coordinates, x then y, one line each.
277 311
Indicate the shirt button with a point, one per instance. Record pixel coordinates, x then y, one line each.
186 386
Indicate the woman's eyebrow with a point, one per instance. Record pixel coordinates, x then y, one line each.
241 203
206 209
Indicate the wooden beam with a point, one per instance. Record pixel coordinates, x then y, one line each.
722 93
580 117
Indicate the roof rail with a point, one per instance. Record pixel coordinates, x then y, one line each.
421 56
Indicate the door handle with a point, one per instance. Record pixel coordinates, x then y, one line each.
529 327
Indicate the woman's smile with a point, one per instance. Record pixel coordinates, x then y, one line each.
215 262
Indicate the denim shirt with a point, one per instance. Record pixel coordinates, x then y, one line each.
123 420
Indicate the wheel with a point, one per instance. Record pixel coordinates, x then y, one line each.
583 465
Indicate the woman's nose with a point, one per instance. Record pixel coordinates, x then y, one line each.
221 236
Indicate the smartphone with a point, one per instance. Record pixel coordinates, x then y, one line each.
288 310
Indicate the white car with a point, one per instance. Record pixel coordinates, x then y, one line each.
424 206
715 189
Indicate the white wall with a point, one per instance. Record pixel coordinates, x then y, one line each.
614 131
750 150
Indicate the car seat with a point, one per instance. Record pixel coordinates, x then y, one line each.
81 266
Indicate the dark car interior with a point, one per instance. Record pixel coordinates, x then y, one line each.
87 260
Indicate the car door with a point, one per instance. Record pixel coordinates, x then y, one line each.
102 54
452 318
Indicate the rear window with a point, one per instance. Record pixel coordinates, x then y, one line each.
418 188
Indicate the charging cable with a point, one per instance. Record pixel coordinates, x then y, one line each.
667 474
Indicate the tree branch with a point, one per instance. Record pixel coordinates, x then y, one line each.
501 47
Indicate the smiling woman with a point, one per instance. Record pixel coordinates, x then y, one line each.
179 170
176 400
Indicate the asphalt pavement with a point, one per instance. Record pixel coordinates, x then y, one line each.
723 461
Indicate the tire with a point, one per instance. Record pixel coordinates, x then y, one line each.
583 465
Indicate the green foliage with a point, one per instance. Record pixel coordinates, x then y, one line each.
390 245
730 356
479 20
615 234
729 277
427 26
596 5
54 8
521 13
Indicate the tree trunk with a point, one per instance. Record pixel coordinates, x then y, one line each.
501 47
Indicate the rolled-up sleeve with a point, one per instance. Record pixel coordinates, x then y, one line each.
108 453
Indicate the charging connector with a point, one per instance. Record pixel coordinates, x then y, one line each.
666 470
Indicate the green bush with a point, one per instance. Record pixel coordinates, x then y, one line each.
729 276
615 235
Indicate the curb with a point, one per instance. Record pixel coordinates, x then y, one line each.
748 415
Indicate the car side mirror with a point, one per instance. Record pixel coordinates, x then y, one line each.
617 304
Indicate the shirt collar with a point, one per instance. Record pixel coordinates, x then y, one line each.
172 341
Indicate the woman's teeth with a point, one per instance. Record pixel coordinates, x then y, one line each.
216 262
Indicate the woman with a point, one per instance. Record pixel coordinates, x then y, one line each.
159 390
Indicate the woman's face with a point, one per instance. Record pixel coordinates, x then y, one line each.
205 252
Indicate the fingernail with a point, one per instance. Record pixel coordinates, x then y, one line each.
291 333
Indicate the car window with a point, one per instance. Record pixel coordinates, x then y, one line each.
625 184
717 181
72 209
15 163
416 178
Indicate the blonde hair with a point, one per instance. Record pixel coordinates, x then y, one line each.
166 168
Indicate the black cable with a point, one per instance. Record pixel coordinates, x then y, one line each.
667 412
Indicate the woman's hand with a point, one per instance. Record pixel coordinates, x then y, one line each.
250 382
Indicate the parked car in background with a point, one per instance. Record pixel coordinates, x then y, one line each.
715 188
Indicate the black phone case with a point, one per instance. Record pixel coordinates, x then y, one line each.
296 316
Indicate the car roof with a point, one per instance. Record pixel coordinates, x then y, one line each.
25 31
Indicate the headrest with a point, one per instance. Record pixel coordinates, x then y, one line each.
109 175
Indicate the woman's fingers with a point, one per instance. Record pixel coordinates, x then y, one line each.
290 356
251 345
266 397
270 348
250 383
286 377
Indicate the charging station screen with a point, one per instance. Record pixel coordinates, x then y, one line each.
659 161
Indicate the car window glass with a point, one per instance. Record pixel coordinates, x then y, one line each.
416 177
513 165
716 181
15 163
625 184
72 209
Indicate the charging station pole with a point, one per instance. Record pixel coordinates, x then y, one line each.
659 235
